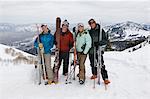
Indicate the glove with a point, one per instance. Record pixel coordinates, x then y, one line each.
83 53
83 47
40 45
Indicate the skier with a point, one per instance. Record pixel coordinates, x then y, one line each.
46 40
94 33
83 44
66 43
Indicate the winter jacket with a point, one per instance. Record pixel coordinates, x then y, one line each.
47 39
66 41
83 42
94 33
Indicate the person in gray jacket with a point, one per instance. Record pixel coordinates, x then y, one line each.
83 44
94 33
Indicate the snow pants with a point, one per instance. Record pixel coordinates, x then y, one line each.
65 57
49 70
81 59
94 68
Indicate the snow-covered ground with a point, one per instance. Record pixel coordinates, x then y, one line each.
129 74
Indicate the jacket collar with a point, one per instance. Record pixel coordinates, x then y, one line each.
84 32
45 33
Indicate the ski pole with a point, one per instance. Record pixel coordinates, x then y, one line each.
94 64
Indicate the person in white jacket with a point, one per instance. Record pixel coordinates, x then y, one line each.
83 44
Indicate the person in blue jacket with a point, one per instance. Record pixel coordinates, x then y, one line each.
46 41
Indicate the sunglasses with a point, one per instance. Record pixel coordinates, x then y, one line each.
80 26
64 25
92 22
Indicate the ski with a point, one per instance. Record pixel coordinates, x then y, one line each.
99 64
38 67
75 52
71 74
37 73
57 38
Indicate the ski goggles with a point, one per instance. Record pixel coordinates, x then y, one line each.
80 25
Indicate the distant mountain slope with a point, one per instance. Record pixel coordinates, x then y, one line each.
127 31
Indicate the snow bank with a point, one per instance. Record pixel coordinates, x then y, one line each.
129 74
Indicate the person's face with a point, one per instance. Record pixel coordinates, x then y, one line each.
64 28
44 28
92 24
81 28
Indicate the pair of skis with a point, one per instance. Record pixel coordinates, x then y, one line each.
57 38
41 62
98 63
71 74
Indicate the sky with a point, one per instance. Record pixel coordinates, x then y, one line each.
45 11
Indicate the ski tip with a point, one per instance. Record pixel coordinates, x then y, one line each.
57 18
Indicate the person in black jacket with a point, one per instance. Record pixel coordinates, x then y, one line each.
94 33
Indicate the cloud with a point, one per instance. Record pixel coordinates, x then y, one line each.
74 0
47 11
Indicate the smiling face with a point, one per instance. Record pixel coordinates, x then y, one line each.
44 29
92 24
81 29
64 28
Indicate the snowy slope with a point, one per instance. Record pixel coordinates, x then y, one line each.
14 56
129 74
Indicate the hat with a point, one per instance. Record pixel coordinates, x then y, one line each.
80 24
43 25
65 22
